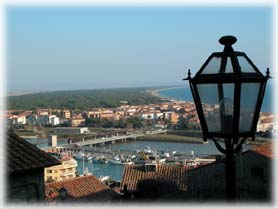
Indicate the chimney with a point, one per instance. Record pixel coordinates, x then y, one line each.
52 141
157 162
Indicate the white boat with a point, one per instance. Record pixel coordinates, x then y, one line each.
81 156
166 154
115 162
160 161
128 163
120 161
88 157
105 161
148 150
103 178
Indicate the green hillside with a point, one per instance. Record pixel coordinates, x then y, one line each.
82 99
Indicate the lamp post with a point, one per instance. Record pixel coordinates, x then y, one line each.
228 92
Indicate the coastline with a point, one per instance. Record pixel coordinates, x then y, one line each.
156 93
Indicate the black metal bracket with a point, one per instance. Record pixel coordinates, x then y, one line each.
218 146
267 73
188 75
225 151
238 147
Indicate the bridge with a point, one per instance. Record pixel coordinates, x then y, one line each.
92 140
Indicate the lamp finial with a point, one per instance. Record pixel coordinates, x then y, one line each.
188 75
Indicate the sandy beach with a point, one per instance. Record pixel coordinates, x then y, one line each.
156 93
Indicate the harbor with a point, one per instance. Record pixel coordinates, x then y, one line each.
109 160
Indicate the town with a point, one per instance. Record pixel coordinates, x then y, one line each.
166 115
124 122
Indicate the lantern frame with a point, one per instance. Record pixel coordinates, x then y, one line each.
237 77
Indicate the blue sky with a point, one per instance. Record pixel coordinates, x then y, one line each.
58 48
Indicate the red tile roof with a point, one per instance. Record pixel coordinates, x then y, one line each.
164 173
265 149
83 188
23 156
267 120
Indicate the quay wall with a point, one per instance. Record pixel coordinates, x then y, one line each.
170 138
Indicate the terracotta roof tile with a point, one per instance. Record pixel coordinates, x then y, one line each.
23 156
84 188
267 120
265 149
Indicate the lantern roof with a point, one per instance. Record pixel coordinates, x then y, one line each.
228 64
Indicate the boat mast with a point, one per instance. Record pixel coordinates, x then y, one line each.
83 161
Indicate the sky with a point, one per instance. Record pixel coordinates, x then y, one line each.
89 47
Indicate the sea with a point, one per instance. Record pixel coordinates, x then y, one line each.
183 93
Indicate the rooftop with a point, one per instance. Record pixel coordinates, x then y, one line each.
23 156
265 149
174 174
83 188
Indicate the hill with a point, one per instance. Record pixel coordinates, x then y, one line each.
82 99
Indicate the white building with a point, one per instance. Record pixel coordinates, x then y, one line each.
71 130
21 119
54 120
151 115
147 115
17 119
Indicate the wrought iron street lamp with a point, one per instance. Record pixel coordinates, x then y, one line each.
228 92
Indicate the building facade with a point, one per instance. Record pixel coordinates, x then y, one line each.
66 170
254 180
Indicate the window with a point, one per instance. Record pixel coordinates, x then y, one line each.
49 178
49 171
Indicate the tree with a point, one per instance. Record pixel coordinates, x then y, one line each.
181 125
121 123
92 122
105 123
135 122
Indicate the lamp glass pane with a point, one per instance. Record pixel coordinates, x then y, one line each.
213 66
226 104
218 106
229 66
249 97
245 66
210 104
